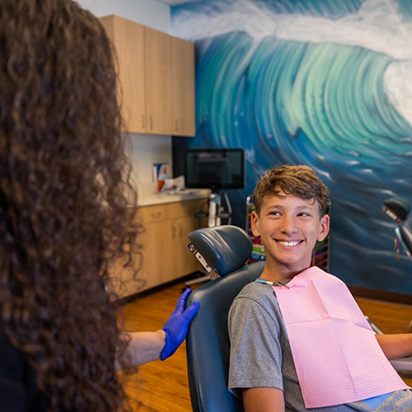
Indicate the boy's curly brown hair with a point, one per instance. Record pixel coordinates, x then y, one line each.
65 200
300 181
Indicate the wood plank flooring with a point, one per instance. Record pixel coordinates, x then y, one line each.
163 387
159 386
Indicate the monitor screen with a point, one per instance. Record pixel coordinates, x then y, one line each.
214 169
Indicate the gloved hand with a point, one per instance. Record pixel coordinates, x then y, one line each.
177 325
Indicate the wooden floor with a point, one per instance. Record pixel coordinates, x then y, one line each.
162 386
159 386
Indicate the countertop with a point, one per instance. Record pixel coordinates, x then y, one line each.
162 198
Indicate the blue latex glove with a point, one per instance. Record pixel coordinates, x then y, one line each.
177 325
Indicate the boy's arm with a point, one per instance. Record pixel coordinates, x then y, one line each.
263 400
255 371
395 346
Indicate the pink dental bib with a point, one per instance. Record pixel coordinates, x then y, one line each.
337 357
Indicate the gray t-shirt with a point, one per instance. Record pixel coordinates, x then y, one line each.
260 355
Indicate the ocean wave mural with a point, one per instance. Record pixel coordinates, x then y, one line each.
322 83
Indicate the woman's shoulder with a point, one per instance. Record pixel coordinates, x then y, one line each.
11 359
18 387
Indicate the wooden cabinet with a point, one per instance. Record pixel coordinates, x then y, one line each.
156 73
128 39
164 255
158 81
183 87
183 259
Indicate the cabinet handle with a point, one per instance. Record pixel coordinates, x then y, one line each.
177 125
143 121
180 229
156 214
173 230
151 122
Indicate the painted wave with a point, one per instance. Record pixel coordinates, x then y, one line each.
323 105
341 108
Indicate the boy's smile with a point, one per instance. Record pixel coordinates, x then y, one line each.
289 228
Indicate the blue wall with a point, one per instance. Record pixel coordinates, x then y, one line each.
320 83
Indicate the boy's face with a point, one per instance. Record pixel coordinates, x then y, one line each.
289 228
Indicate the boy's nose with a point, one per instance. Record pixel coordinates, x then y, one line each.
288 225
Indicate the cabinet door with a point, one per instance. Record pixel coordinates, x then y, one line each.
157 76
158 254
154 266
186 262
183 87
164 256
128 39
125 281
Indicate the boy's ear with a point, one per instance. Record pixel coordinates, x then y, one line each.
324 228
254 219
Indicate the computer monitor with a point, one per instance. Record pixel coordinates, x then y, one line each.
214 169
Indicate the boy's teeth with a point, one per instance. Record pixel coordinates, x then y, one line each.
288 243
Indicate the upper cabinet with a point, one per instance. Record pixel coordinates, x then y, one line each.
183 87
128 39
158 79
156 73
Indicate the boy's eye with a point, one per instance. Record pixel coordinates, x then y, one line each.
304 214
274 213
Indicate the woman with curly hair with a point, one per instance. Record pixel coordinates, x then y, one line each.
66 210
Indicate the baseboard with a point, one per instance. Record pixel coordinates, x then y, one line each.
394 297
131 298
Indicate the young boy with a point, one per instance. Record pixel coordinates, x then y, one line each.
267 370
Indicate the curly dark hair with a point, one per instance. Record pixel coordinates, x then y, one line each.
66 204
301 181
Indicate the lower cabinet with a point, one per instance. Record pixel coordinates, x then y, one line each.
164 256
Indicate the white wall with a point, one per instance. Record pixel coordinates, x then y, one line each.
146 149
147 12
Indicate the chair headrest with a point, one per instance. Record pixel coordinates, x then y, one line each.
397 208
225 248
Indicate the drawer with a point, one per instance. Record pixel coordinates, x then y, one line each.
152 213
185 209
175 210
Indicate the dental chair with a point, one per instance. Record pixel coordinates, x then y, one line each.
398 209
223 251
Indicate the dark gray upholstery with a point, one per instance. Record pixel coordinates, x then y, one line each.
398 209
207 339
225 248
405 228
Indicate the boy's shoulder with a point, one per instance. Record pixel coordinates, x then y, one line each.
258 293
256 303
255 289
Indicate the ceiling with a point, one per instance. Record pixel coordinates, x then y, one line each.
174 2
